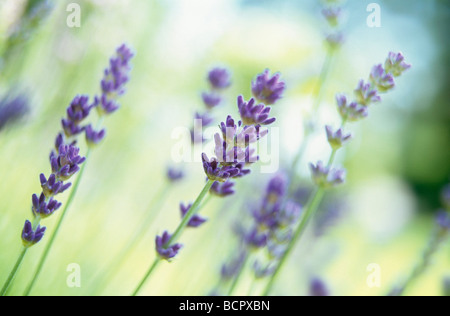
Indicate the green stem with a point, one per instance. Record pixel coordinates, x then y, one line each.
13 273
195 208
58 226
311 208
238 276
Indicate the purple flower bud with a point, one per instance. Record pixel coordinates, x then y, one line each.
174 175
335 40
93 138
165 251
222 189
52 187
12 110
211 99
395 64
318 288
326 177
71 128
200 121
252 114
276 189
255 239
350 112
332 15
31 237
365 94
336 138
219 78
79 109
66 163
268 89
42 208
216 172
195 220
381 79
443 220
231 269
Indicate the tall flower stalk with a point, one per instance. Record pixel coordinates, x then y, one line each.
66 162
233 151
324 175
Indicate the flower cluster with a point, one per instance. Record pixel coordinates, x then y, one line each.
164 251
219 79
268 89
65 159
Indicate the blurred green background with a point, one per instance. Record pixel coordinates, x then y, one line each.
397 162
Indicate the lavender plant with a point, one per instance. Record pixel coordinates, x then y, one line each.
325 176
234 150
66 162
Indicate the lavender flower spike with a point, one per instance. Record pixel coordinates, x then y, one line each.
166 251
211 99
268 89
219 78
216 172
326 177
336 138
66 163
51 187
113 83
196 220
366 94
252 114
43 208
31 237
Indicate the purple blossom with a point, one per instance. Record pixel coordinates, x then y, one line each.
350 112
238 135
268 89
255 239
366 94
443 220
114 80
200 121
196 220
66 163
52 187
252 114
336 138
31 237
217 172
12 110
222 189
230 155
174 175
383 80
332 15
43 208
231 269
165 251
93 137
325 176
71 128
395 64
335 40
219 78
211 99
318 288
79 109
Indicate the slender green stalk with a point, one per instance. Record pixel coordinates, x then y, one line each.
13 273
194 209
311 208
238 276
57 228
